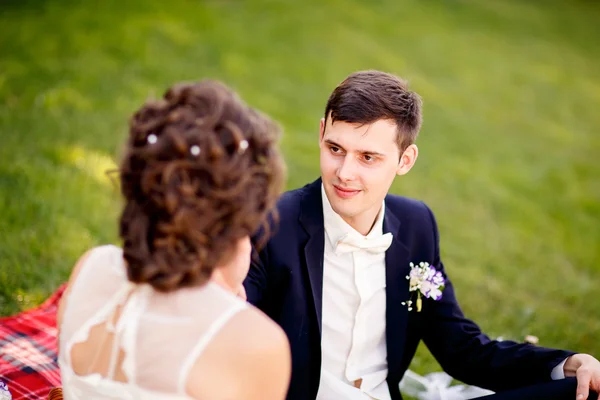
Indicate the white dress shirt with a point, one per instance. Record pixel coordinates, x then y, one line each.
353 343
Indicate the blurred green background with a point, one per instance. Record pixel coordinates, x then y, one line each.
509 147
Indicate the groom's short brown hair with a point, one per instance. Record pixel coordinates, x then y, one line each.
368 96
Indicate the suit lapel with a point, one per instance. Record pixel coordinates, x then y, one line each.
311 218
396 269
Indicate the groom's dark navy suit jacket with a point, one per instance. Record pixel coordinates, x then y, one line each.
286 282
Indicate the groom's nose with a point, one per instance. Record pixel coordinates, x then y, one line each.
347 169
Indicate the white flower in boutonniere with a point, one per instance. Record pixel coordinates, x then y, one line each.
426 281
4 392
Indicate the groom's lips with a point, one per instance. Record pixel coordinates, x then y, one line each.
345 193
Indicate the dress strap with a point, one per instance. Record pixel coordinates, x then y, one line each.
117 332
210 334
126 332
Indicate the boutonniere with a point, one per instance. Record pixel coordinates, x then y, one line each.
426 281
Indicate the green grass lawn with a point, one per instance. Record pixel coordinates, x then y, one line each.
509 148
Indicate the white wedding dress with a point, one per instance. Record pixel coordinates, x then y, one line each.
158 337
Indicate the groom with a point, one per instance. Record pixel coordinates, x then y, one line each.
334 275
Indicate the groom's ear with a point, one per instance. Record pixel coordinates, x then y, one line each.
407 159
321 129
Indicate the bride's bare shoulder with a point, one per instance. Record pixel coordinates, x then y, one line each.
249 359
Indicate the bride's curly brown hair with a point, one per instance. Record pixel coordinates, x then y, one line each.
201 170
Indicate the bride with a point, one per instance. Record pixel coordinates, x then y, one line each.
158 319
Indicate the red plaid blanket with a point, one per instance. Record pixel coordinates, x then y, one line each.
28 347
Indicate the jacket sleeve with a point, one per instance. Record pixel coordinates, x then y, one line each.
470 356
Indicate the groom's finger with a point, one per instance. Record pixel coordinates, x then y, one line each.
584 377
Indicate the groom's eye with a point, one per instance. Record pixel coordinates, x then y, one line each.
334 149
369 159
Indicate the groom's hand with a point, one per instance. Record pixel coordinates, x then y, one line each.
587 370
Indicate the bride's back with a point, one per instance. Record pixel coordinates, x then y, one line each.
119 337
199 176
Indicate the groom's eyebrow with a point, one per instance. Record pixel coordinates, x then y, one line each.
332 143
371 153
368 152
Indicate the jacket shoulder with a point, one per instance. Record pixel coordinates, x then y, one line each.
289 204
405 204
409 210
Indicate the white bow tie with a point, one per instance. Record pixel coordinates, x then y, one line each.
350 243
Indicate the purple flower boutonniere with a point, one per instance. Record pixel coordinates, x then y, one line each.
426 281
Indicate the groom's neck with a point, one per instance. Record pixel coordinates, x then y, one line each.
363 223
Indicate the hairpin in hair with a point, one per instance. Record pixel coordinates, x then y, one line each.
243 146
195 150
151 138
